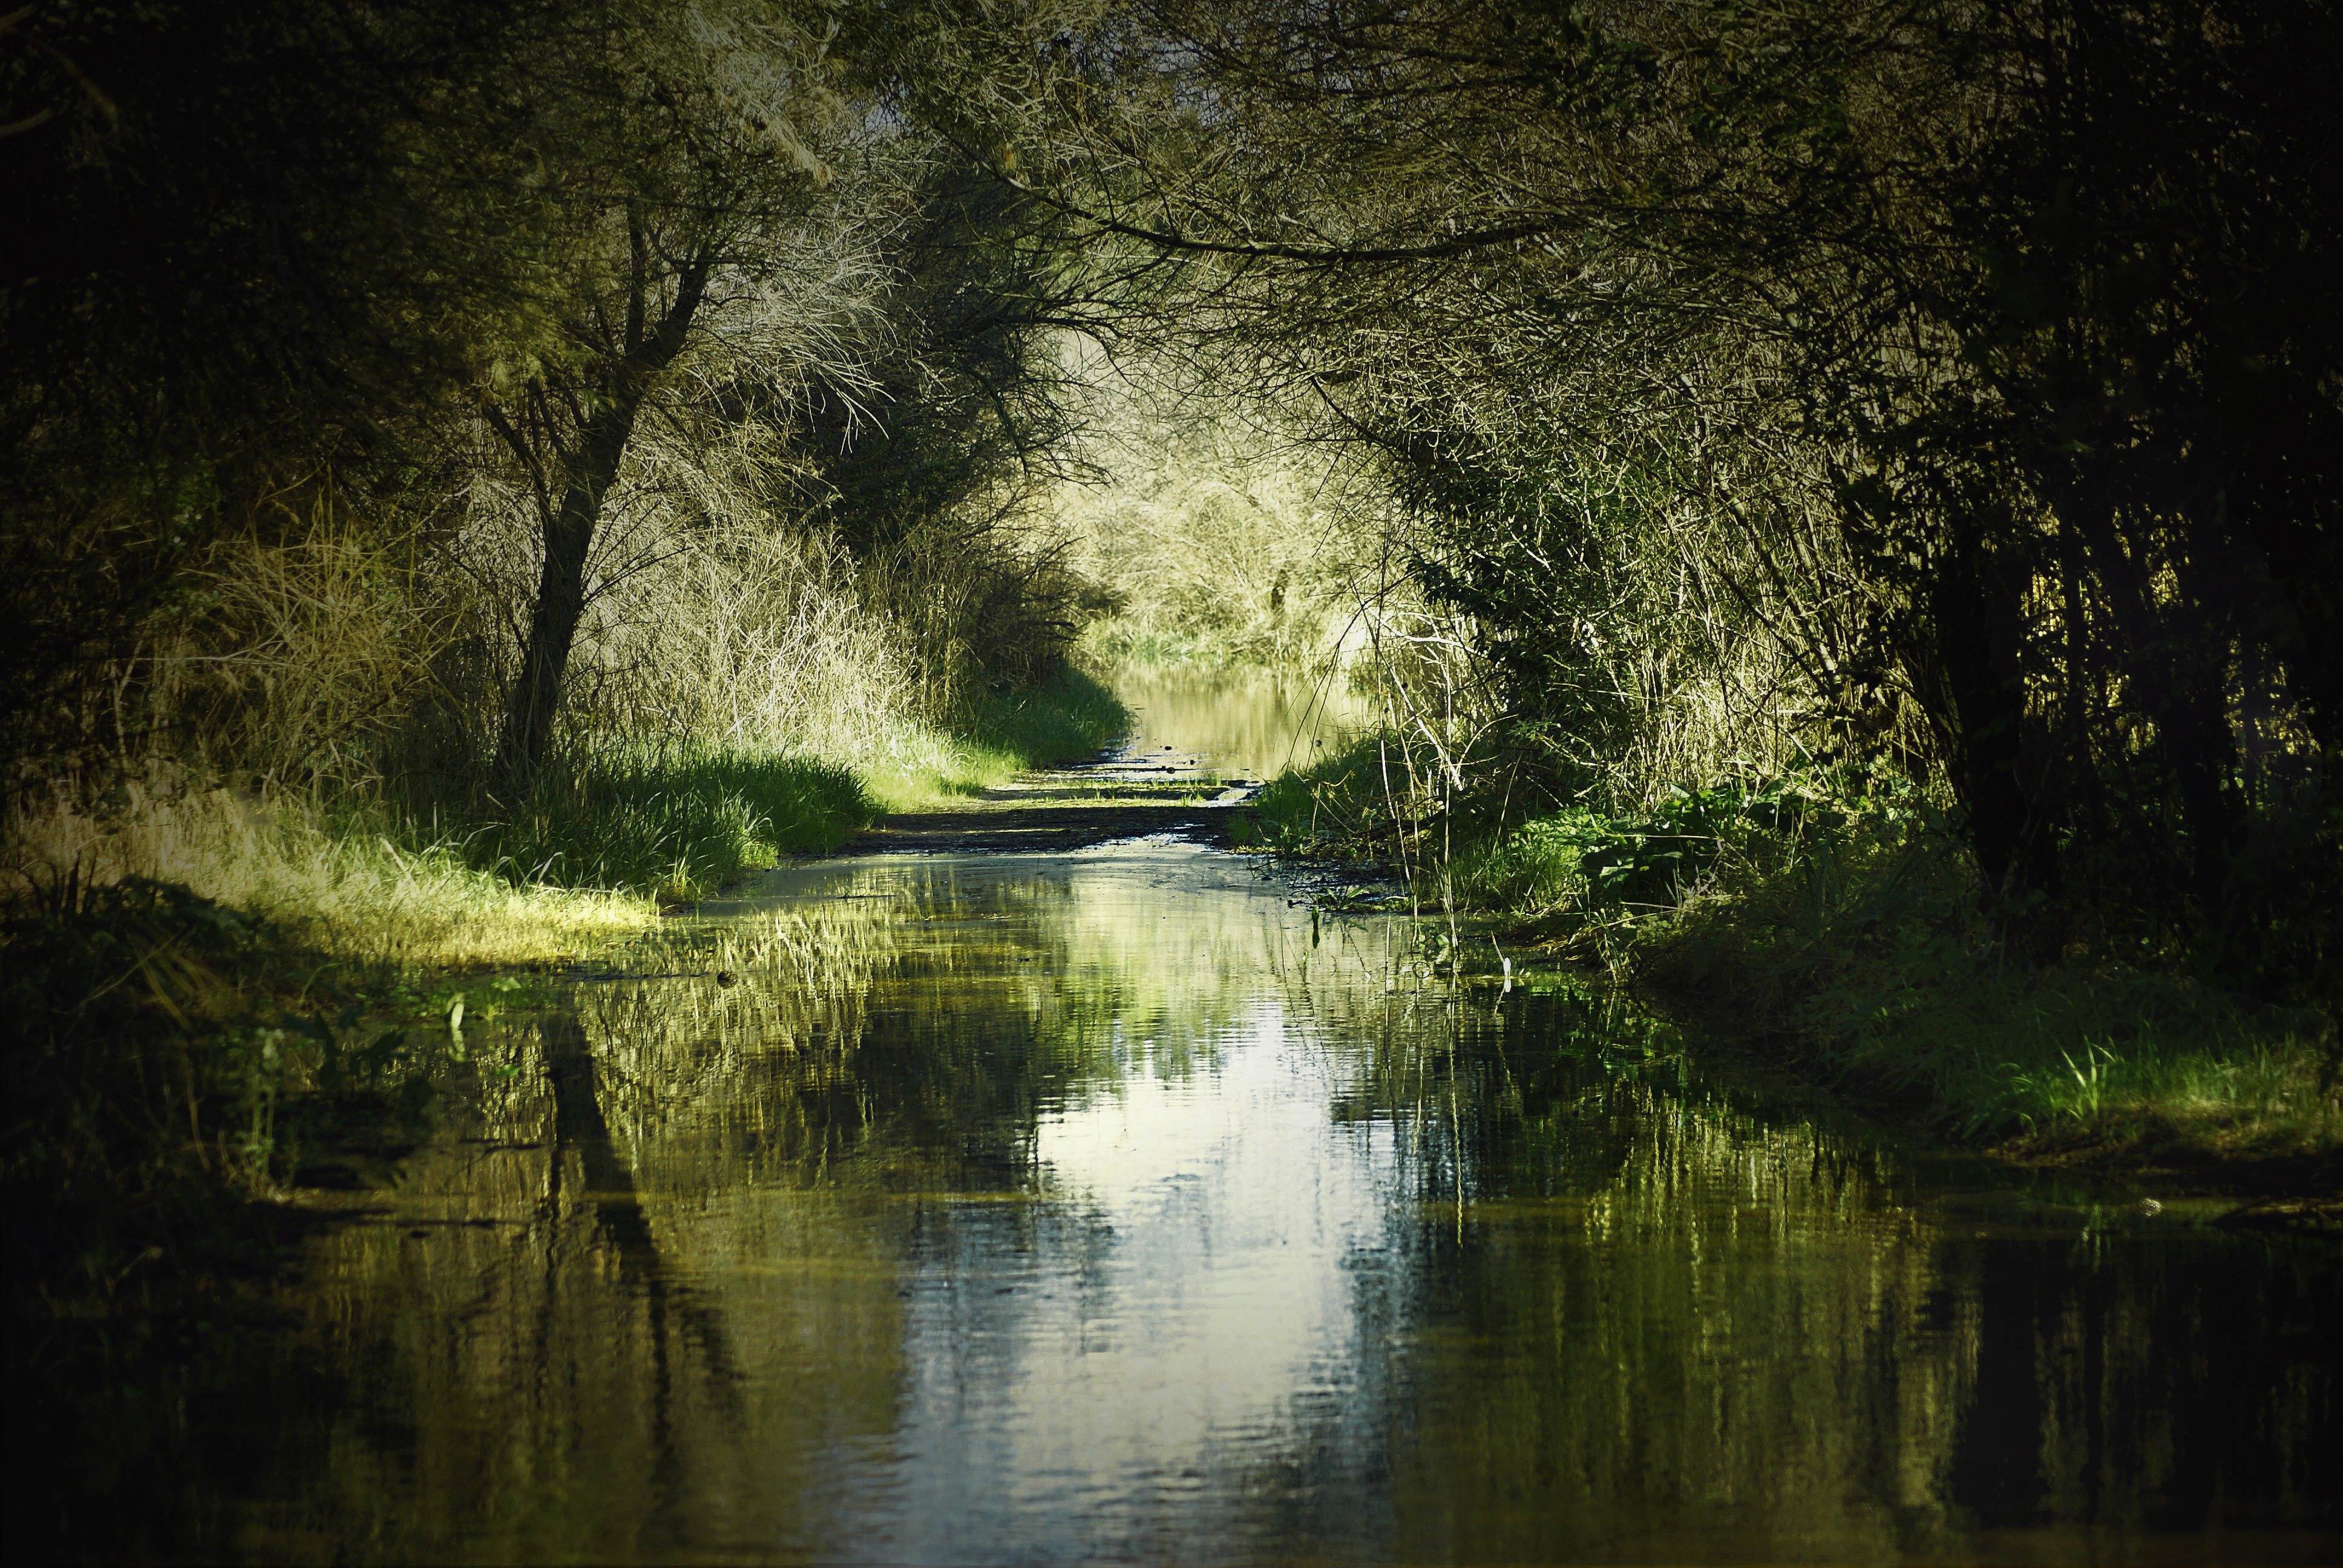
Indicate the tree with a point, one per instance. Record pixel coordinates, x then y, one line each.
1970 356
248 245
702 201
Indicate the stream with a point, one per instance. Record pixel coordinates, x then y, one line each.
1117 1204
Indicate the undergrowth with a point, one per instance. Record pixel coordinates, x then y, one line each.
674 826
996 734
1833 918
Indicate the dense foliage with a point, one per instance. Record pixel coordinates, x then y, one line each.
395 391
1951 389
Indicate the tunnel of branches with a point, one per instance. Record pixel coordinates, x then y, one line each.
410 397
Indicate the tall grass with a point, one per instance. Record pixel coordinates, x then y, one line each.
676 827
352 881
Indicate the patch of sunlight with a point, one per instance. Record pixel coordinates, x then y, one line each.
350 892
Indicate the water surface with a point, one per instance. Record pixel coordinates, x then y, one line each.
1114 1206
1251 722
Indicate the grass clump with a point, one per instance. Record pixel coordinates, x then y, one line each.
1348 805
675 827
352 881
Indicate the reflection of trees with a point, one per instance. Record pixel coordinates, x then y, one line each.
584 1351
1663 1322
910 1025
693 1273
1651 1320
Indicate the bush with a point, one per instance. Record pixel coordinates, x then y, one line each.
675 825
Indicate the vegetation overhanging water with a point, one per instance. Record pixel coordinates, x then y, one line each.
1827 514
1126 1203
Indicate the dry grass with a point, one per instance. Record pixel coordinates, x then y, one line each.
339 887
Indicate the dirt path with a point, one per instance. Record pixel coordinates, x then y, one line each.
1117 795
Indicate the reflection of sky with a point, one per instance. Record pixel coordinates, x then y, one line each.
1163 1293
1194 1293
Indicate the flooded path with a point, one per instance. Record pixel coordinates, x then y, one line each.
1200 747
1112 1204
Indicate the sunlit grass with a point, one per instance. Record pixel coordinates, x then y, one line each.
344 885
674 826
587 857
912 765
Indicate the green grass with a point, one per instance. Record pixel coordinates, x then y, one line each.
679 825
344 877
994 736
1836 924
1336 807
1064 719
675 825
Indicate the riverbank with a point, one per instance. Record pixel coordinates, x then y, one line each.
1839 935
204 986
590 855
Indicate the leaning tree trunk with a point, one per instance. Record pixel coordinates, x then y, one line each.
560 602
591 467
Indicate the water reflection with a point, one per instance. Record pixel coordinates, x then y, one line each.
1247 720
1024 1210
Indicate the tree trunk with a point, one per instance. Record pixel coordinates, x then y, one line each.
1970 680
560 602
590 469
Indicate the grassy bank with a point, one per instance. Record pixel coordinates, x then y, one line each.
203 985
1839 927
995 735
587 856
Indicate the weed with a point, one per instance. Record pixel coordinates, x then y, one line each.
1837 920
676 827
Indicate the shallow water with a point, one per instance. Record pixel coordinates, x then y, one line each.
1115 1205
1243 721
1111 1206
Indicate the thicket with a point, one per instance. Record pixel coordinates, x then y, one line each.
1944 399
516 426
1217 527
469 473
